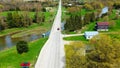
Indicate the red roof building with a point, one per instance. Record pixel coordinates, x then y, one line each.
102 26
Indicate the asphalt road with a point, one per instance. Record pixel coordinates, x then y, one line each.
52 54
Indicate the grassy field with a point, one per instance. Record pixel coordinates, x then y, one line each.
11 59
116 28
31 14
34 28
75 38
67 32
89 27
117 36
112 15
6 12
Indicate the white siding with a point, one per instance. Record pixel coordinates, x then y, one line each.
90 34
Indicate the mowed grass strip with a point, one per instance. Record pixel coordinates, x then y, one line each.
89 27
11 59
75 38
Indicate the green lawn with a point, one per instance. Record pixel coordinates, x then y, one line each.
64 15
89 27
15 30
116 28
34 28
6 12
113 14
9 31
75 38
115 36
11 59
31 14
67 32
83 11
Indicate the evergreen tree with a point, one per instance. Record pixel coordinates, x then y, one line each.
74 22
39 18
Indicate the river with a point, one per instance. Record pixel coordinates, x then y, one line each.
7 42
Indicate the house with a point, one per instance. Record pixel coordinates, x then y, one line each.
102 26
90 34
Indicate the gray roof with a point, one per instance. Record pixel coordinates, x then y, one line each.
91 32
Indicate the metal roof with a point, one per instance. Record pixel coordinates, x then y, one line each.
91 33
102 23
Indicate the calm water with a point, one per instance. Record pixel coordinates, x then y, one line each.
104 10
7 41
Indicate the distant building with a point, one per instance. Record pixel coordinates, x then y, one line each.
102 26
69 4
90 34
48 9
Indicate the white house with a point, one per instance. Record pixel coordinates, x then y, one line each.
90 34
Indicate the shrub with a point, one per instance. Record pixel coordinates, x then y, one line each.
22 46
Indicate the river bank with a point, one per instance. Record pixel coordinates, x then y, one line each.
9 58
9 37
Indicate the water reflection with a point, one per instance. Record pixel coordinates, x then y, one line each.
104 10
7 41
33 37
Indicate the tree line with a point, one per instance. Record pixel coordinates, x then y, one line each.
76 21
20 5
92 4
105 53
20 19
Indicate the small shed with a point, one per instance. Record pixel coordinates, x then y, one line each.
90 34
102 26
